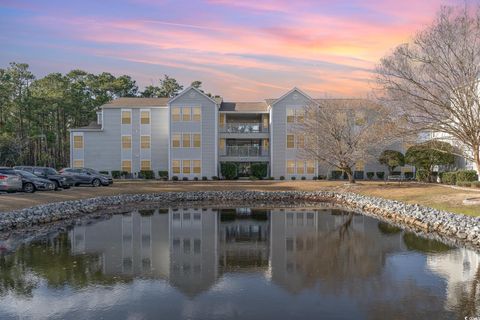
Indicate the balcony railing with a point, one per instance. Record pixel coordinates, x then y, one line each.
245 151
242 127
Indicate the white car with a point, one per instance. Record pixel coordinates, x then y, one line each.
10 181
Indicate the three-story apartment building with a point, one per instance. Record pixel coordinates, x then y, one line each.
191 134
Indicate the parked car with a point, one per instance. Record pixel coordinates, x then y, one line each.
32 183
9 180
87 176
61 182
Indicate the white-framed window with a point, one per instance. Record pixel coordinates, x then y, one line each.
78 164
290 141
127 165
176 167
78 141
290 166
145 165
300 167
187 166
144 117
126 117
186 140
176 140
126 142
295 115
145 142
176 114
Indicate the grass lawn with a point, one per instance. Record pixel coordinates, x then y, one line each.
428 195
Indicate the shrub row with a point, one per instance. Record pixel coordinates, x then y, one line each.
456 177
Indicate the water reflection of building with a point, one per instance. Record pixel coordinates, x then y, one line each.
244 243
296 248
311 245
174 244
462 278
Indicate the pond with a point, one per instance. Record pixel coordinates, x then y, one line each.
240 263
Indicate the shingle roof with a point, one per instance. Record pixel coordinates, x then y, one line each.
92 126
137 102
243 106
270 101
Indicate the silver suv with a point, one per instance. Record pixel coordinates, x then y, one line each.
10 181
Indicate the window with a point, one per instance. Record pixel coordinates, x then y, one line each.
145 142
300 141
300 116
176 140
176 166
300 167
197 114
197 140
290 167
127 165
145 117
310 167
290 115
197 166
221 120
186 166
78 142
265 121
186 140
145 165
265 143
222 144
360 166
78 163
126 117
126 142
186 114
175 114
290 141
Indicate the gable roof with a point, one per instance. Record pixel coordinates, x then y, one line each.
271 102
188 89
244 106
136 102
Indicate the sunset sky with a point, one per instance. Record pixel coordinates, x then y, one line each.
243 50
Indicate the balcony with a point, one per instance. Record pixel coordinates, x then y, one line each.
242 127
245 151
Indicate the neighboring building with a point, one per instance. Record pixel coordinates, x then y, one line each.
191 134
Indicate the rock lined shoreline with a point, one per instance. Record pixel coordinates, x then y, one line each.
456 227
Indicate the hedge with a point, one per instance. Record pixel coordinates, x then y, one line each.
464 183
449 178
116 174
467 175
259 170
370 175
146 174
163 174
380 175
422 175
336 174
103 172
228 170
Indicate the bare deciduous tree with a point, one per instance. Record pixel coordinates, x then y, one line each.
433 81
344 132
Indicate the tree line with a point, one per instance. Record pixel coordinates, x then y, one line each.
36 113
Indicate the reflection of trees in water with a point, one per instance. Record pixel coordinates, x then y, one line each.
53 261
416 243
348 261
469 297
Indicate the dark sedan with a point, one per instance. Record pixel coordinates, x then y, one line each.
32 183
61 182
87 176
